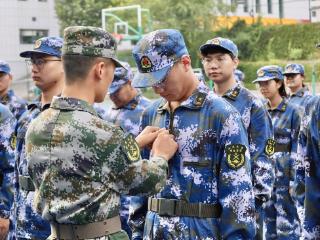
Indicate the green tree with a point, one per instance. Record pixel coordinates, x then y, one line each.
83 12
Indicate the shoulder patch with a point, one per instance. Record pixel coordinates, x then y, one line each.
269 149
131 148
235 155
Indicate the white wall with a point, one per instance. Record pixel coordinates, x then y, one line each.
16 15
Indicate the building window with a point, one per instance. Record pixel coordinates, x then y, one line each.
258 8
29 36
269 6
281 9
245 6
314 13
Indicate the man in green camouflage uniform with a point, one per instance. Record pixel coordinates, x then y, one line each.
81 164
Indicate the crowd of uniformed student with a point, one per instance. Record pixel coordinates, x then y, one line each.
247 166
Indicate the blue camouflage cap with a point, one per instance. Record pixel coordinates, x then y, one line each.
267 73
219 43
121 76
294 68
4 67
155 54
47 45
239 75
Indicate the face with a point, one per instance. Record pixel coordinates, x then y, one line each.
5 81
294 81
46 70
107 68
122 96
219 67
269 89
172 88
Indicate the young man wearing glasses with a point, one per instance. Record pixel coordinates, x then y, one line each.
8 98
208 192
48 75
220 60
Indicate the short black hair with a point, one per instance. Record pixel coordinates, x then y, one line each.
76 67
216 49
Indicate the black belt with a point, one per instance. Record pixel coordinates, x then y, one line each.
26 184
282 148
173 207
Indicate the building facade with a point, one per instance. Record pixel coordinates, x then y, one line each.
21 23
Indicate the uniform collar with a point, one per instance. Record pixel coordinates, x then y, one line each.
6 98
36 103
301 92
195 101
65 103
233 92
132 104
281 107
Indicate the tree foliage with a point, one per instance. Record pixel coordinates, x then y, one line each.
195 19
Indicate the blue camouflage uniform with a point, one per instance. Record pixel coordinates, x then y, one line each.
302 96
299 181
7 145
281 213
258 125
16 104
128 118
286 122
28 223
208 193
308 177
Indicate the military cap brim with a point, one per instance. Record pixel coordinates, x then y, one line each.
28 54
205 48
264 79
142 80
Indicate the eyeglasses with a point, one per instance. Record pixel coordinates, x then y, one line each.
39 62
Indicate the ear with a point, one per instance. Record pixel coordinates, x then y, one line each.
279 84
236 62
98 70
186 61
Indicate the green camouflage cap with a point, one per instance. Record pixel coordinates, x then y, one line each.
89 41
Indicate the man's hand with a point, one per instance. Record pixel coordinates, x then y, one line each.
147 136
164 146
4 228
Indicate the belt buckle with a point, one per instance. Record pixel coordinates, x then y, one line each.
167 207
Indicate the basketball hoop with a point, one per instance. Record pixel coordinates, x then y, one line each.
118 37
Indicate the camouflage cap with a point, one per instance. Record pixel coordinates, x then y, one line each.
267 73
219 43
4 67
239 75
155 54
90 41
294 68
46 45
121 76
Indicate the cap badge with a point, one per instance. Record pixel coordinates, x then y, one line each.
260 73
37 44
145 63
215 41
